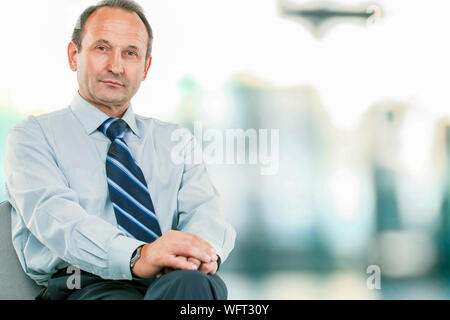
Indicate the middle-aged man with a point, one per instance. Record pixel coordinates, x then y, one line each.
93 186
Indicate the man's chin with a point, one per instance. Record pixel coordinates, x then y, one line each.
111 99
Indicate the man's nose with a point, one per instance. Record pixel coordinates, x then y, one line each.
115 62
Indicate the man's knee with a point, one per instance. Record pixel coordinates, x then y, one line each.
188 277
190 284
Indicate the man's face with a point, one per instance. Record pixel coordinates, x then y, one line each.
111 64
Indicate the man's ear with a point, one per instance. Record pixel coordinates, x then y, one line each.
147 67
72 54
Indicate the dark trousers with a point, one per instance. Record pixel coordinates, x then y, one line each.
176 285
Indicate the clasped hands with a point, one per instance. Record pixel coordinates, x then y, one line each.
175 250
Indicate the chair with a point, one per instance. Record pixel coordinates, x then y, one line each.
14 283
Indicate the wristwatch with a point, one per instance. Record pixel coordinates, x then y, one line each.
218 262
136 255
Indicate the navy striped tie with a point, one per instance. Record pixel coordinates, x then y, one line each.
128 190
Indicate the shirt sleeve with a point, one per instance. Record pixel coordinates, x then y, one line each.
199 205
40 194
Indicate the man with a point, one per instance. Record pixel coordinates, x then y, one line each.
94 185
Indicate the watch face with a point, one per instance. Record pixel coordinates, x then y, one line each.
136 255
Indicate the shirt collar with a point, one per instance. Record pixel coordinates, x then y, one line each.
91 117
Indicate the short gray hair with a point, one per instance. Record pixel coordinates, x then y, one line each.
127 5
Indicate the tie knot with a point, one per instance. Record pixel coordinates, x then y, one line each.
113 128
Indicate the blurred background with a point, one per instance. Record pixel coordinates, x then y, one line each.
359 93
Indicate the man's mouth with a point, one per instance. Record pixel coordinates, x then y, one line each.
112 83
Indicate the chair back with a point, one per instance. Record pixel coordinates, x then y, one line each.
14 282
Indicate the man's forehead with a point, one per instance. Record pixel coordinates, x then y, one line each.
114 39
116 26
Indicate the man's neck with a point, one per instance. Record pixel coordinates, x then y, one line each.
110 111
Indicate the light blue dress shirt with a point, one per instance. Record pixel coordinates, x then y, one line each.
62 215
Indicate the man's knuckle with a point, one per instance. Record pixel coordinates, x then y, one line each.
192 242
170 233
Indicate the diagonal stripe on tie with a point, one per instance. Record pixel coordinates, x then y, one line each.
107 124
143 231
130 184
128 173
125 201
127 187
132 230
118 153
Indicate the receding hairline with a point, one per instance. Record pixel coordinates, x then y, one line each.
95 13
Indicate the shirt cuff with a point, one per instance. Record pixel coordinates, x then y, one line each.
122 249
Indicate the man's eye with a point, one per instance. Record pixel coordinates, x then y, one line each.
101 48
131 53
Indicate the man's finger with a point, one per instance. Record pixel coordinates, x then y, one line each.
208 268
190 249
190 245
179 262
194 261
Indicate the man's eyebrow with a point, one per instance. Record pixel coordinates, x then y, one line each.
109 43
133 47
103 41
